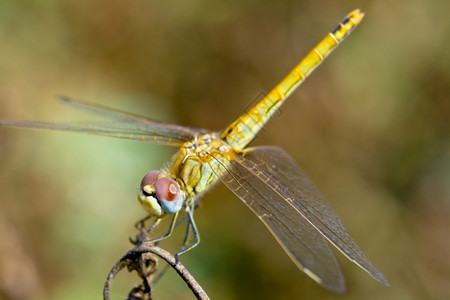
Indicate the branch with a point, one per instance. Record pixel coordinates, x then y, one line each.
136 259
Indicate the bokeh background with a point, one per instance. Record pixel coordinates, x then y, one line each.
370 126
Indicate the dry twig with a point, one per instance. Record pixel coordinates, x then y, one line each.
142 259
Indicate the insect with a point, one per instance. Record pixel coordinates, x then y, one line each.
265 178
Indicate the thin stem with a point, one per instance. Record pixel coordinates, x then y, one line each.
132 260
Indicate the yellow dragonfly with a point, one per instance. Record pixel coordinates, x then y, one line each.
265 178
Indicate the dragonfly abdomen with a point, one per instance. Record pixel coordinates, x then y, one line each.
242 131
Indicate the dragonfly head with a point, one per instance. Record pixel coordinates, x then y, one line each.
159 194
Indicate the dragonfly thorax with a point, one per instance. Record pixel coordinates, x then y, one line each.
201 144
195 165
160 194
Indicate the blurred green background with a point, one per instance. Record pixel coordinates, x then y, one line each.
370 126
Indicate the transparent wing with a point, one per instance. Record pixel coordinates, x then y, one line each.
123 125
278 191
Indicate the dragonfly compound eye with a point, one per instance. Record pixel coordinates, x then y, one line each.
169 195
149 178
147 194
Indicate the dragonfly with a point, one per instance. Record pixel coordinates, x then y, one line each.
265 178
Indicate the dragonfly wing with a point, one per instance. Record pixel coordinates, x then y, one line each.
125 125
302 242
269 181
116 114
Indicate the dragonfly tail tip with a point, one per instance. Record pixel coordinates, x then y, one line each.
356 15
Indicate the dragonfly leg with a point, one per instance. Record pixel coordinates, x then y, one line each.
188 243
191 227
180 220
143 232
165 235
141 222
